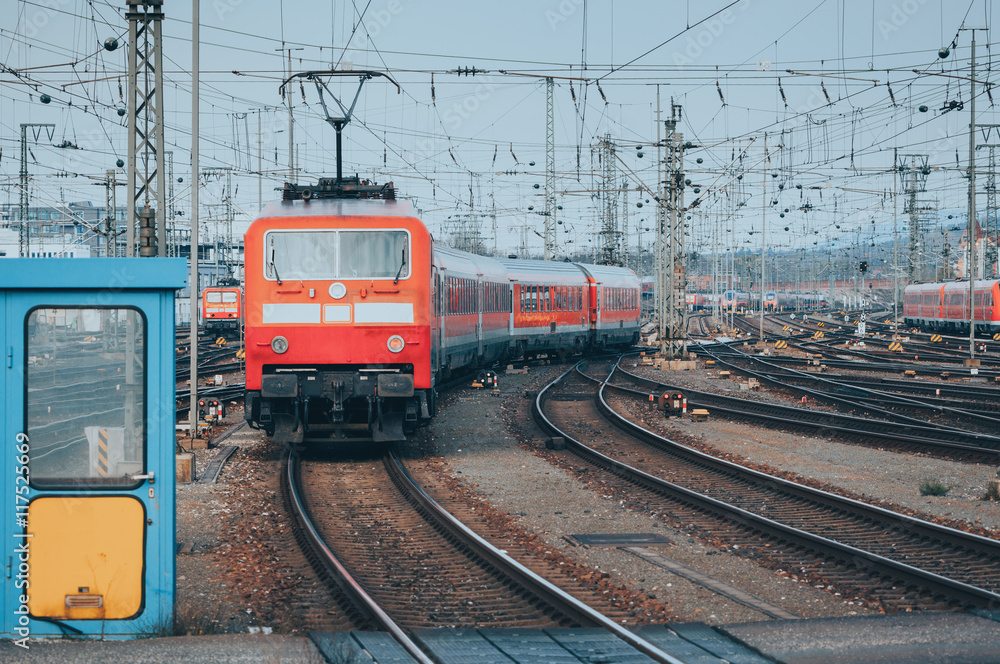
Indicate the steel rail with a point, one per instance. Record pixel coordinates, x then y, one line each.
891 416
552 594
876 396
339 573
816 420
965 592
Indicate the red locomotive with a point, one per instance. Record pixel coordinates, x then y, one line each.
945 306
354 313
221 311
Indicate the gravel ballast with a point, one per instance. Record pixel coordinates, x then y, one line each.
543 491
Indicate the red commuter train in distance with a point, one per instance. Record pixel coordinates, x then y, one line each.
945 306
222 311
353 313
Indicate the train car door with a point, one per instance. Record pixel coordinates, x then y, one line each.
89 382
437 320
480 301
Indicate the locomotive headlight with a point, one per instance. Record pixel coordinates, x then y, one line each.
279 344
395 343
337 290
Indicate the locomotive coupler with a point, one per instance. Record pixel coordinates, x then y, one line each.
337 397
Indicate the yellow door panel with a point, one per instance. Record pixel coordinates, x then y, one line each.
86 557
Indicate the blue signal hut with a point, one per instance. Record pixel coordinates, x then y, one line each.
88 414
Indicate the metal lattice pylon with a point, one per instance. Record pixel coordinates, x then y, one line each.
24 240
610 253
670 275
917 165
550 174
146 174
991 229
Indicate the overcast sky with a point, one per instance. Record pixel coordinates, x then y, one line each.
727 65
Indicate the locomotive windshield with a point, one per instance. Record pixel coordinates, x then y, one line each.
355 254
373 254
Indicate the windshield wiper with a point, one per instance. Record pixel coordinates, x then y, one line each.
274 267
401 265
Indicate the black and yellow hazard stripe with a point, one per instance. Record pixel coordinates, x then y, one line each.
935 337
781 344
102 452
895 345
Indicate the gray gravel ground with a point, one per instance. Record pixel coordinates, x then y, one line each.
517 477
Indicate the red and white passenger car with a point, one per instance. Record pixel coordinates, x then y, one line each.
944 306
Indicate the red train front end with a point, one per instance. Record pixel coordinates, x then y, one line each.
338 320
221 312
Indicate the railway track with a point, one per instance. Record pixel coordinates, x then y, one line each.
892 413
405 563
864 360
902 562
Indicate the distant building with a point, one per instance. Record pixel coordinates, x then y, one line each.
80 230
65 230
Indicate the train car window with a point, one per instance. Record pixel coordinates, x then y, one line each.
300 255
374 254
85 396
229 296
215 297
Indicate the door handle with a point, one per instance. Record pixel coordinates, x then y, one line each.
148 476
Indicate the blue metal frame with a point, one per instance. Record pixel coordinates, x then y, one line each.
148 285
